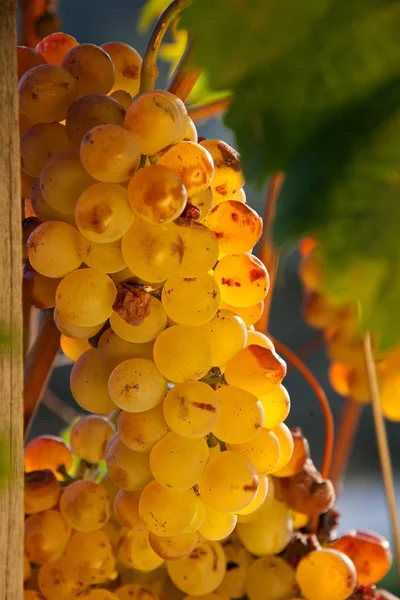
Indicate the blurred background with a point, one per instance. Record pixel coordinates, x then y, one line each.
362 501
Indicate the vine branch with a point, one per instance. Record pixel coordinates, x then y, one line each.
184 79
209 110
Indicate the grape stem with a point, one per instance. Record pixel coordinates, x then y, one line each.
322 399
184 78
149 71
38 366
383 447
346 432
209 110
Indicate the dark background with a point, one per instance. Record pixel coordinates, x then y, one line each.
362 501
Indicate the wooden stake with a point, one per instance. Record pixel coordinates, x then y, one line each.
11 378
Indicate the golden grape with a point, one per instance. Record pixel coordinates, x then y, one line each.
127 64
90 436
147 331
166 511
191 301
241 415
136 385
237 227
201 571
140 431
91 67
46 535
91 111
327 574
242 278
127 469
192 163
135 551
228 176
217 524
255 369
271 578
41 491
39 144
89 381
226 333
27 58
175 546
263 451
55 46
191 409
85 505
200 250
126 509
113 350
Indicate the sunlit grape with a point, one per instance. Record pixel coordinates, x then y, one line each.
276 406
260 339
198 517
90 436
173 547
226 333
123 97
263 451
236 226
241 415
203 202
104 257
200 250
113 350
271 578
166 511
75 331
136 385
91 111
128 469
135 551
91 67
58 580
127 63
147 331
228 176
90 556
217 524
259 498
249 314
191 301
140 431
55 46
126 509
47 452
45 536
53 249
327 574
85 505
99 594
255 369
191 409
39 143
286 445
201 571
89 383
242 278
41 491
192 163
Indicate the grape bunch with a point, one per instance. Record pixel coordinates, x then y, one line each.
183 480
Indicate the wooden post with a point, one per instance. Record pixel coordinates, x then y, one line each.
11 374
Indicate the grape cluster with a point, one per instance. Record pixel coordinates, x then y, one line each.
140 239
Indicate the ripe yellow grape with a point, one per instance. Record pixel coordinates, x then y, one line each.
203 202
63 180
46 92
269 529
178 462
229 482
113 350
271 578
140 431
103 257
262 491
99 594
228 175
241 415
201 571
181 354
73 348
147 331
276 406
135 551
90 556
201 251
127 64
91 111
249 314
89 379
41 491
46 535
44 211
217 524
191 409
53 249
85 297
166 511
136 385
129 470
192 163
155 121
39 143
91 67
109 153
55 46
126 509
242 278
180 105
286 445
27 58
74 331
58 580
157 194
123 97
233 583
263 451
103 213
191 131
327 574
260 339
190 301
255 369
47 452
85 505
153 252
226 333
237 226
90 436
38 290
134 591
175 546
198 517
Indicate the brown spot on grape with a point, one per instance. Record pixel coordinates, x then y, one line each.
234 217
98 218
205 406
130 71
197 553
132 304
227 281
251 487
256 274
222 189
215 559
230 156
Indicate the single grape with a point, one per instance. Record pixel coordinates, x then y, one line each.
181 354
238 561
180 105
166 511
140 431
242 278
136 385
39 144
38 290
113 350
73 348
89 383
157 194
255 369
191 409
191 132
173 547
154 120
46 92
85 297
200 250
103 257
217 524
190 301
126 509
300 454
123 97
260 339
327 574
127 64
127 469
250 314
276 406
192 163
63 180
270 578
147 331
201 571
47 452
241 415
91 111
91 67
153 252
85 505
226 333
90 556
109 153
57 580
27 58
75 331
55 46
262 452
41 491
229 482
259 498
44 211
134 591
53 249
228 175
90 436
203 202
237 227
286 445
46 535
